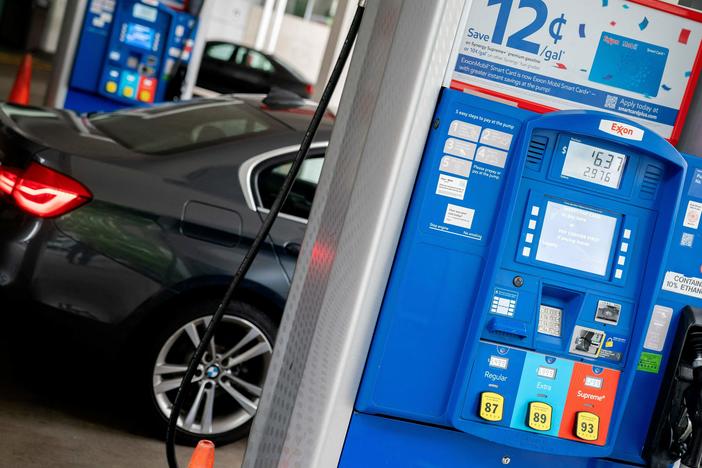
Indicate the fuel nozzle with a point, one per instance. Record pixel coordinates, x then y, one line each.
693 403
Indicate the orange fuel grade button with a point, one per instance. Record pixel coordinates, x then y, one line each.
587 426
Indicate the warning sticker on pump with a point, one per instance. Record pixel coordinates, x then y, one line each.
613 349
692 215
650 362
452 187
681 284
459 216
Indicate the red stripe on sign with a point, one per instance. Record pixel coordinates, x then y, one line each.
521 103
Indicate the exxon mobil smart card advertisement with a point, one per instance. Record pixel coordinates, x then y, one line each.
639 59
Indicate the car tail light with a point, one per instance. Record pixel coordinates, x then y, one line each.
8 179
45 193
310 90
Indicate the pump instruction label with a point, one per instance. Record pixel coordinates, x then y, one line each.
469 154
681 284
452 187
613 55
459 216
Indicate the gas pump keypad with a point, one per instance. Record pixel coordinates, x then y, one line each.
550 319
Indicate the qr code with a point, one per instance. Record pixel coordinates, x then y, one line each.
687 239
611 102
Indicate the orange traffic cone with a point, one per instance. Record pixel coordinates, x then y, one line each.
203 456
23 82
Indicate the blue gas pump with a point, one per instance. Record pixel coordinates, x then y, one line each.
530 261
126 54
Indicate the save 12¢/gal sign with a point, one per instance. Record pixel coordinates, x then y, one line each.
639 59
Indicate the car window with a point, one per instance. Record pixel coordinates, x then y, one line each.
253 59
240 58
220 51
299 201
172 128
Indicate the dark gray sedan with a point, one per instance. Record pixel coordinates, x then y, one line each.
134 221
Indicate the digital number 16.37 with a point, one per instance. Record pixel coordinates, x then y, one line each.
601 166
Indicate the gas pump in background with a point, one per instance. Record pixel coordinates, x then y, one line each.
125 53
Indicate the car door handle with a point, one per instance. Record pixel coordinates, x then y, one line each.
292 248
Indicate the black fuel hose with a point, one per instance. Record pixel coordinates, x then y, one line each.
263 231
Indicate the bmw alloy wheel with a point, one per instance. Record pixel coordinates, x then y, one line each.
226 389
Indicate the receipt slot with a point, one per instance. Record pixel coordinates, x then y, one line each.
122 54
530 261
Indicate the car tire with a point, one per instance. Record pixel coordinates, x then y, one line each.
226 389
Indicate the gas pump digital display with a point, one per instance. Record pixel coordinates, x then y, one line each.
576 238
140 36
593 164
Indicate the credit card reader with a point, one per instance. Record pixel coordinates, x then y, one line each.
530 259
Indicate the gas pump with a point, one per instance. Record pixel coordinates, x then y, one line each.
565 288
122 53
536 299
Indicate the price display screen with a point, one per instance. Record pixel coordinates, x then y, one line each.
139 35
546 372
593 164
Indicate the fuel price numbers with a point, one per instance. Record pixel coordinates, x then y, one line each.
593 164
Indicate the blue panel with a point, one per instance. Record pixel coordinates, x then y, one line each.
695 189
422 333
92 46
540 240
549 386
685 258
80 101
502 379
379 442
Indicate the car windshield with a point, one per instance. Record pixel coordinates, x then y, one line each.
174 128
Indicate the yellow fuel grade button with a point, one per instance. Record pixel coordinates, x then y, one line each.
539 417
491 405
587 426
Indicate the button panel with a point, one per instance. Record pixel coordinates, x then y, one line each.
542 394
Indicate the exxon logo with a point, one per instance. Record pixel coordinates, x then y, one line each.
621 130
